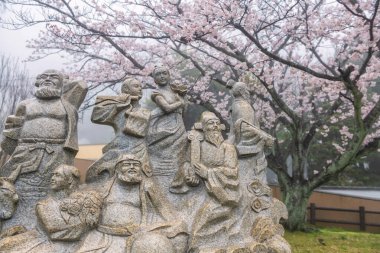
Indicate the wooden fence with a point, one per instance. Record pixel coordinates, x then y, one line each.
313 217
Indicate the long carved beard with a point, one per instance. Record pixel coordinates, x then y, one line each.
214 136
129 179
47 92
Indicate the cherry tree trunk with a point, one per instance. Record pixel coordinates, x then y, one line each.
296 200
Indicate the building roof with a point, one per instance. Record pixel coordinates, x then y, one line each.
358 192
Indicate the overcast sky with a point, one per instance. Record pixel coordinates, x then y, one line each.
14 43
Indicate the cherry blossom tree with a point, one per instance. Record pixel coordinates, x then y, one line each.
311 66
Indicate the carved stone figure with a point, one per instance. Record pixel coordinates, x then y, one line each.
257 205
64 216
217 166
269 236
67 214
155 189
40 136
167 135
130 123
8 199
246 134
135 208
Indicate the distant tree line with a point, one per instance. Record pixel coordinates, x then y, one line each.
15 85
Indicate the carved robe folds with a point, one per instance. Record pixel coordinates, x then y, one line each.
130 123
45 131
213 222
130 213
70 218
156 189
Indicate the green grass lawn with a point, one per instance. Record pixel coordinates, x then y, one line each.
333 240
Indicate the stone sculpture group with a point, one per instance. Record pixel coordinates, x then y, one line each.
157 188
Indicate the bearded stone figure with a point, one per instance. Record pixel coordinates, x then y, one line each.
136 216
155 189
39 137
214 161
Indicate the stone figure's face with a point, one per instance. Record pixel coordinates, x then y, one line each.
49 79
129 171
49 85
132 87
212 125
58 180
213 131
8 199
161 76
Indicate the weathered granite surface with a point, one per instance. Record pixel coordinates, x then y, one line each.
41 135
166 137
157 188
130 123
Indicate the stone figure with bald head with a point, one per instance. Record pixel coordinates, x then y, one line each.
41 135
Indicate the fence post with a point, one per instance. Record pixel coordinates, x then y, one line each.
362 218
312 213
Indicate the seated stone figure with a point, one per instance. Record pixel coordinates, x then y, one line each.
214 161
134 208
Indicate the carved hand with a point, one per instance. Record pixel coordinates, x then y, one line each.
269 143
200 170
192 180
124 100
123 97
180 99
13 121
135 98
128 110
